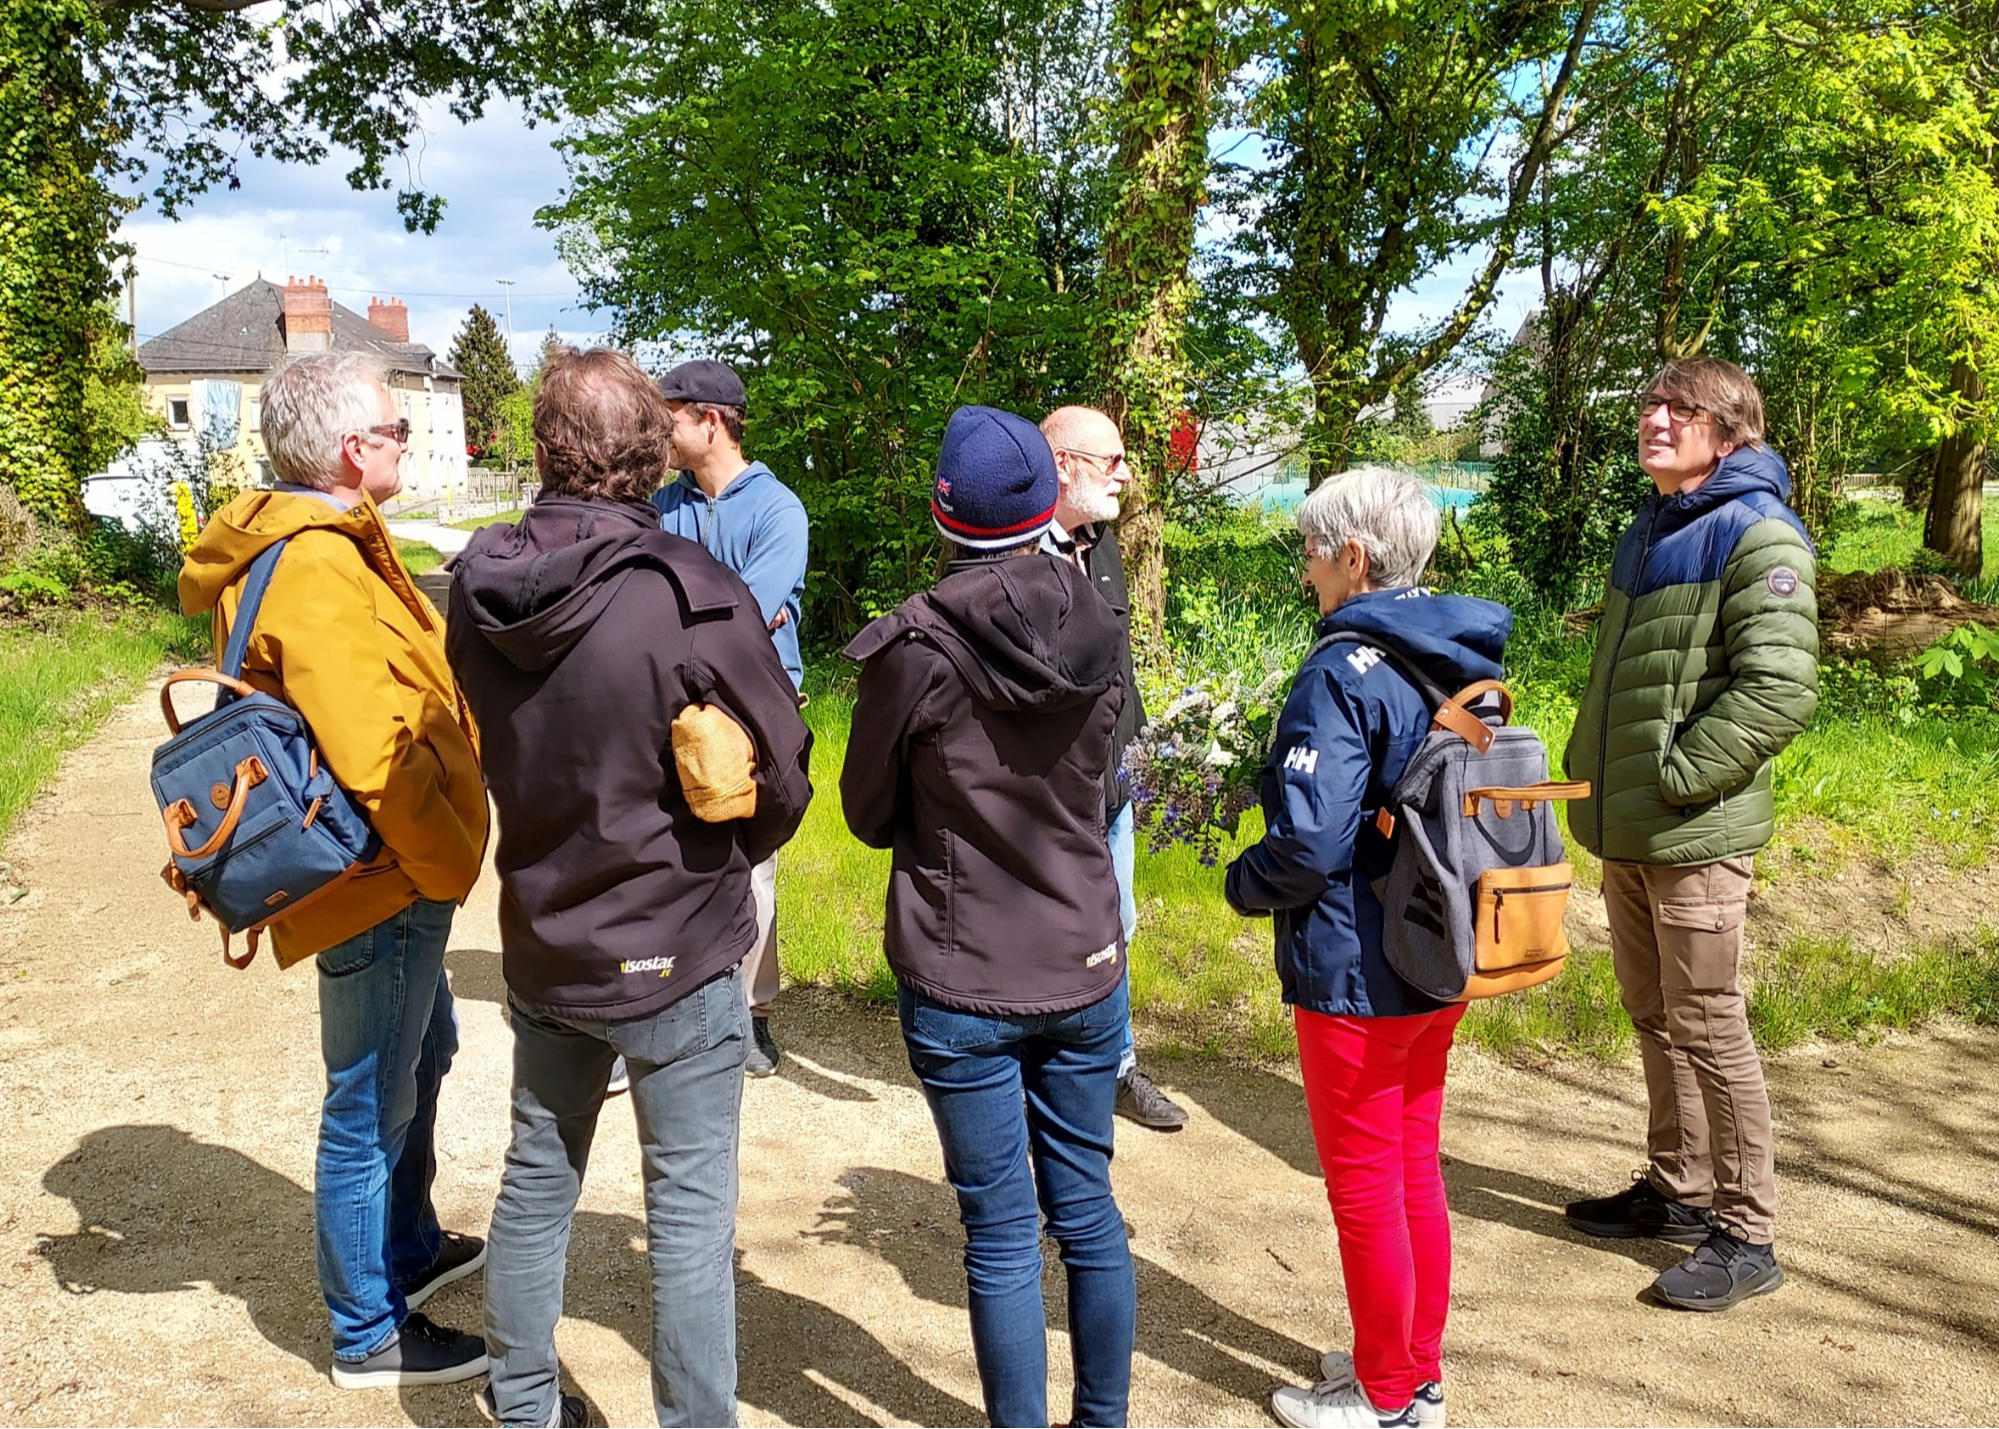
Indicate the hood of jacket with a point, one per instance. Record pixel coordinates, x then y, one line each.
238 533
1746 471
1455 640
1026 633
535 588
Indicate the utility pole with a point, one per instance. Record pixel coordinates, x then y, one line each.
508 284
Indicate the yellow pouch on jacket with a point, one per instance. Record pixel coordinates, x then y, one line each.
717 764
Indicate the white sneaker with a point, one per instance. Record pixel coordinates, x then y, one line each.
1336 1366
1333 1405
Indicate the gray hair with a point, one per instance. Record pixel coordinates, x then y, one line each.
1389 512
311 405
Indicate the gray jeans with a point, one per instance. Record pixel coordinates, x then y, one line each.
686 1067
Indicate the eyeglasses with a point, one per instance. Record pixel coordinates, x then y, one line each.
1113 461
1679 411
399 431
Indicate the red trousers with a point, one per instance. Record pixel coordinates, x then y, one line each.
1375 1090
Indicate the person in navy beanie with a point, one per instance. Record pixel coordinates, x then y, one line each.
981 736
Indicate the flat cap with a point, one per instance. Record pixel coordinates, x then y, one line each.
703 380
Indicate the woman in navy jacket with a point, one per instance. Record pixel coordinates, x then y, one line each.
1373 1050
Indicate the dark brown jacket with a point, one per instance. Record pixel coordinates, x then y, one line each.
577 636
980 740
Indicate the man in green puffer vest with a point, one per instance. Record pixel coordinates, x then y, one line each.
1706 667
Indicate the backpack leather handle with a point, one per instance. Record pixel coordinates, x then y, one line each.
1527 796
206 677
250 773
1455 715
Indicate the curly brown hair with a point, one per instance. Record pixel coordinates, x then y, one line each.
600 426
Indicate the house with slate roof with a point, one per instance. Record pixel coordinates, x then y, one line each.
204 375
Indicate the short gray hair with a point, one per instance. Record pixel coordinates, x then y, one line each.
1389 512
310 405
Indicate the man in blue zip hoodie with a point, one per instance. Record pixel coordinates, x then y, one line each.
1372 1049
752 523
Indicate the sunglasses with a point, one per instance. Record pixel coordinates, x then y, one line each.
1113 461
399 431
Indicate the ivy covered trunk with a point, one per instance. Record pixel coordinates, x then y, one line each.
55 225
1161 167
1955 528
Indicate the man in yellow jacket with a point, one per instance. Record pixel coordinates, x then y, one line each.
345 637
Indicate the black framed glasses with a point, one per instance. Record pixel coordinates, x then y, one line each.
398 430
1679 411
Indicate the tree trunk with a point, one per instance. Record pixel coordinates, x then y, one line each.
1159 172
1955 528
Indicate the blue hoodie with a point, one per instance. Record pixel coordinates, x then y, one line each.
1349 726
756 528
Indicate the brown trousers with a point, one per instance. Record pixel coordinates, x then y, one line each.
1676 941
760 967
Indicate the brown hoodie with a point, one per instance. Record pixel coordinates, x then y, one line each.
346 639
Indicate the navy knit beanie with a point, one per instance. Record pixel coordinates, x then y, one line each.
996 482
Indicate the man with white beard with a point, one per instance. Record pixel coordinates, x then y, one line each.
1090 459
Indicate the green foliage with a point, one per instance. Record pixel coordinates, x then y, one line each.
873 210
59 679
480 352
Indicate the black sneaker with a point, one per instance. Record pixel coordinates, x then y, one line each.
1639 1212
621 1079
1724 1272
457 1258
764 1053
570 1410
420 1353
1139 1100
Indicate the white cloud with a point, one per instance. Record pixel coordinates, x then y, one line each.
494 174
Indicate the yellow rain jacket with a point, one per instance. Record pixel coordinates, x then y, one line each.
346 639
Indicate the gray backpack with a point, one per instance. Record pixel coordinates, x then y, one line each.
1473 899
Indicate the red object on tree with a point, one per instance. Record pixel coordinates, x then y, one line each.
1184 446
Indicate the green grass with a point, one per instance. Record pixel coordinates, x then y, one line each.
1885 533
418 556
60 679
473 523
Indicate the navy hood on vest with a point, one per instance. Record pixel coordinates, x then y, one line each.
1746 471
1454 640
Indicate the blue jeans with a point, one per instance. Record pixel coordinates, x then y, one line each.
974 1070
686 1066
387 1033
1124 863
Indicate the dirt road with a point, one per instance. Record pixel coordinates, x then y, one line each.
155 1218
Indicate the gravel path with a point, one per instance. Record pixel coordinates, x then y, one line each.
156 1223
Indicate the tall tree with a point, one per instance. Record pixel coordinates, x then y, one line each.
1397 138
1166 84
102 98
480 352
845 200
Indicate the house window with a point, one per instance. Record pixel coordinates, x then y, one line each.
177 411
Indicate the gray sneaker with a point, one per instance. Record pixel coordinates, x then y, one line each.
420 1353
1140 1100
571 1412
1724 1272
764 1054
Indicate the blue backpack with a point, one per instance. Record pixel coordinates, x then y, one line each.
257 827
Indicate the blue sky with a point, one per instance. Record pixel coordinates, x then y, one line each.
495 174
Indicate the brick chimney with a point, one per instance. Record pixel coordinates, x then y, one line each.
308 316
391 317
